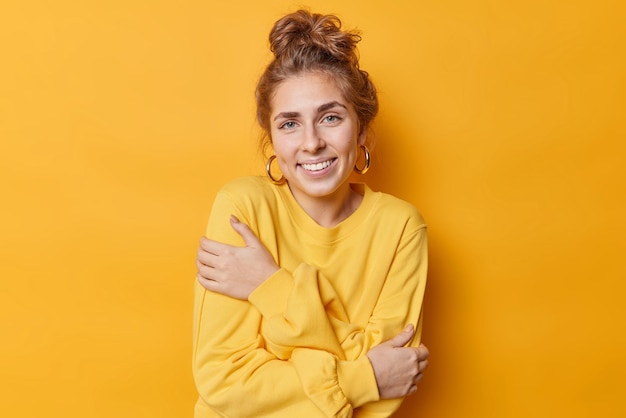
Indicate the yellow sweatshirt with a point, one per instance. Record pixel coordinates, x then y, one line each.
297 347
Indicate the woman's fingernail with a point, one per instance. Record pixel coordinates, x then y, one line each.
234 219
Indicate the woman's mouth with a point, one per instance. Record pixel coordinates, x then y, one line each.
317 166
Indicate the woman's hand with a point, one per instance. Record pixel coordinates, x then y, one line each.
234 271
398 369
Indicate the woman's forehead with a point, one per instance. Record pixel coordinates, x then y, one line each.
308 91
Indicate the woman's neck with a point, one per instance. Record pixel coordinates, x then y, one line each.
329 211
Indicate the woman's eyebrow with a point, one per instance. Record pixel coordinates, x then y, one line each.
330 105
320 109
287 115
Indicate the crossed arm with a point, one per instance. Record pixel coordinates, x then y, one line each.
232 274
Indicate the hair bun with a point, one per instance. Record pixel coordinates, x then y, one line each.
304 30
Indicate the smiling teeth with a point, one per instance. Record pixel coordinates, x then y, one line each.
317 167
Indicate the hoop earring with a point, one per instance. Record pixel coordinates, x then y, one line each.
268 170
368 161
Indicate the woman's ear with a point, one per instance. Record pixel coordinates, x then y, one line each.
362 136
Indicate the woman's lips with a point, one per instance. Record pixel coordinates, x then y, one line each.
317 166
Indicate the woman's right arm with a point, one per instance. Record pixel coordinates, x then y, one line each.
234 374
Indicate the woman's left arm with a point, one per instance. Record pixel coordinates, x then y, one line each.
399 303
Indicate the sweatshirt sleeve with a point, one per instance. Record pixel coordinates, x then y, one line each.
235 374
400 303
317 336
307 329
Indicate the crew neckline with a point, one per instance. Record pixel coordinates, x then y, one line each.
323 234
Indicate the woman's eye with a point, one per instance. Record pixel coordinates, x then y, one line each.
288 125
331 118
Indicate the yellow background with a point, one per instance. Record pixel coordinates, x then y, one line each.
502 121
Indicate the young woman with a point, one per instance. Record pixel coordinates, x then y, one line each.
309 293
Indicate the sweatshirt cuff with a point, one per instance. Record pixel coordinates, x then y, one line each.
360 370
270 297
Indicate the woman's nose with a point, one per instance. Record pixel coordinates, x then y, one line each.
312 140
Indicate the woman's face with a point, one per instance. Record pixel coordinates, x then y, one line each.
315 136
